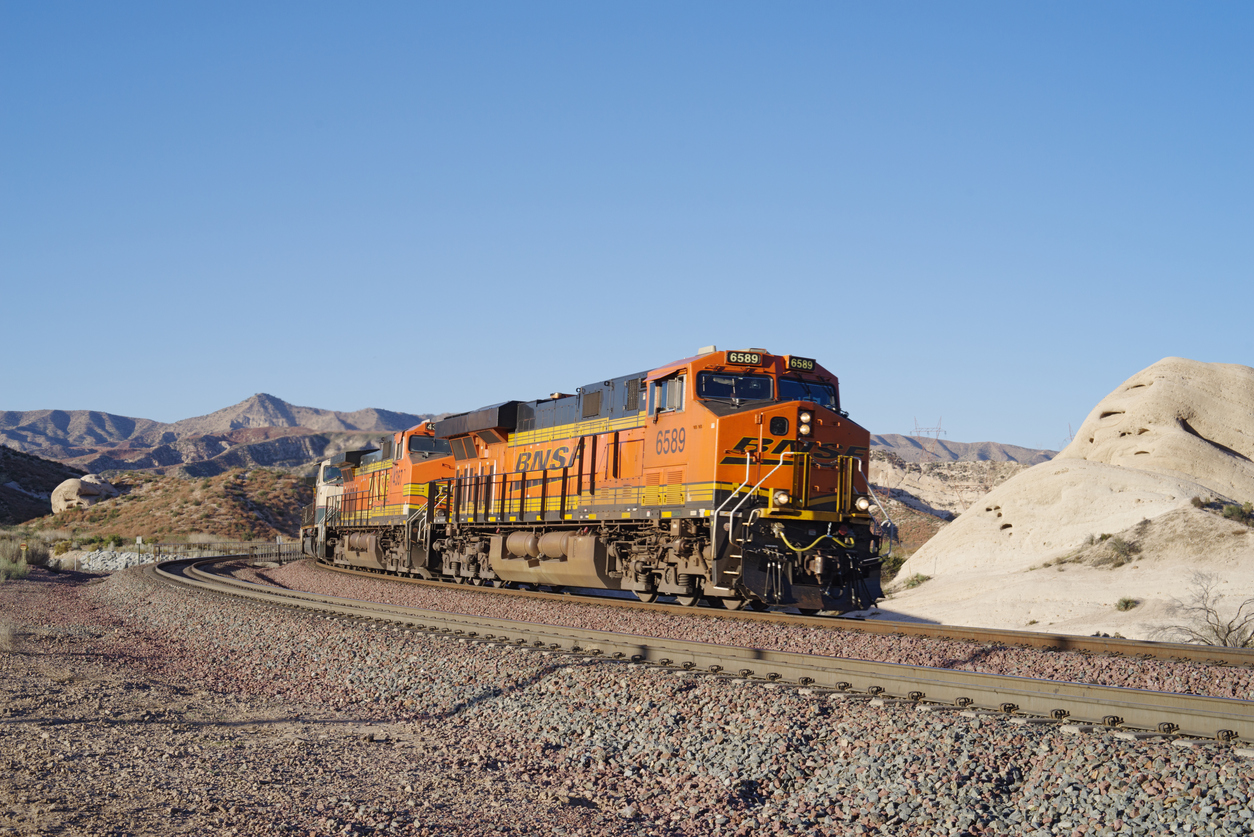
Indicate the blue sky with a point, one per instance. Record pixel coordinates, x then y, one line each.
985 213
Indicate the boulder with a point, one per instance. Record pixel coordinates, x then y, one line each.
82 493
1178 429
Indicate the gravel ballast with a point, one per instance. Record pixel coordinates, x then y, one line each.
1072 666
137 708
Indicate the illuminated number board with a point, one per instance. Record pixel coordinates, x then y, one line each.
745 358
801 364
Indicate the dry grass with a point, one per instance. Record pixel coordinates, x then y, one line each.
13 569
236 505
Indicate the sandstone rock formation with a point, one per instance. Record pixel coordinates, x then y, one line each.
1177 430
81 493
943 489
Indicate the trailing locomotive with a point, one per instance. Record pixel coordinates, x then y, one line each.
733 476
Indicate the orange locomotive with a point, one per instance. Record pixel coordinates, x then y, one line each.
733 476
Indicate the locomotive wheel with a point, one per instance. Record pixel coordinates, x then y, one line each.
808 611
687 601
501 583
478 582
755 604
648 597
733 604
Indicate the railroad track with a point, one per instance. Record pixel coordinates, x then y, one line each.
1082 707
1210 654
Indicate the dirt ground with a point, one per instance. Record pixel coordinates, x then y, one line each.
90 745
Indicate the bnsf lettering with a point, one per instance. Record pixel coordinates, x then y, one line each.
542 459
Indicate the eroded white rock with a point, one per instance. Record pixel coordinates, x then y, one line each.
82 493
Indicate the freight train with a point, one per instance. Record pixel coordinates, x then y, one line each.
733 477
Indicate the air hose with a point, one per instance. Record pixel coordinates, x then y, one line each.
779 530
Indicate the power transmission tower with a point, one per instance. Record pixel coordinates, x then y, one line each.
929 433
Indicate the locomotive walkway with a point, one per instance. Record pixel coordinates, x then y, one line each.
1024 700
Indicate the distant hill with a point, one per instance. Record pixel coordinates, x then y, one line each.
259 431
267 411
26 484
924 449
235 505
284 448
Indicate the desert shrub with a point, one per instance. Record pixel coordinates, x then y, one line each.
1198 503
891 564
1118 551
60 547
1241 514
1126 603
36 554
1104 537
13 569
915 580
1123 549
1202 618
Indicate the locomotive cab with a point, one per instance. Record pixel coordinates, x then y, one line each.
790 522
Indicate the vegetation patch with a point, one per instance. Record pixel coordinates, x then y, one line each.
1204 618
915 580
891 564
1243 513
13 569
1126 603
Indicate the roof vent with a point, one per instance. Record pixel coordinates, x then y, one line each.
707 350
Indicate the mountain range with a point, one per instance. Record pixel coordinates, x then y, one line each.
918 449
259 431
266 431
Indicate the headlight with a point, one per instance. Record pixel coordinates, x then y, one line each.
782 498
804 430
805 417
862 503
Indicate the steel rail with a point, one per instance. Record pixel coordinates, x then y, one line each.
1020 697
1209 654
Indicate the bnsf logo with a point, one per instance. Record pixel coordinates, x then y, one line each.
541 459
749 444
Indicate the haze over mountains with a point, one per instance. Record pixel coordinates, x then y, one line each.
261 430
926 449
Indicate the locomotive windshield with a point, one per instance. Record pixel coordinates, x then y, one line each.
735 388
428 444
791 389
330 475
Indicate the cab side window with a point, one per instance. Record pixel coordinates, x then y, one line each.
667 394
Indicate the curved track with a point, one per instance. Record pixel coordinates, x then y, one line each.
931 689
1028 639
